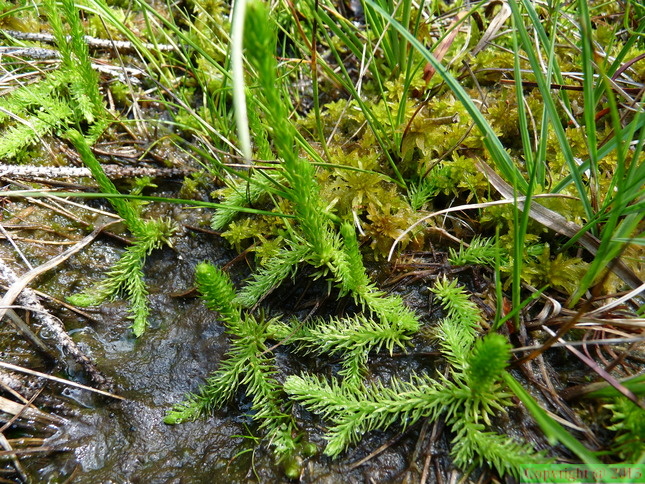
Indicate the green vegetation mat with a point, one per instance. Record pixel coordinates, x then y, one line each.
488 156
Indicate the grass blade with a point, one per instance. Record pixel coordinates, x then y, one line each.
553 430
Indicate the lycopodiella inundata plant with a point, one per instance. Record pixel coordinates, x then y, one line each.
59 104
468 396
248 363
127 274
65 97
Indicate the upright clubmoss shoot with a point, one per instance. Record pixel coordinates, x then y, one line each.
126 276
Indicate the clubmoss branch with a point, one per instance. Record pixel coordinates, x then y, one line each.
468 400
127 274
247 364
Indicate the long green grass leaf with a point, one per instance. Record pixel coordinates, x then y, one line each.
549 104
553 430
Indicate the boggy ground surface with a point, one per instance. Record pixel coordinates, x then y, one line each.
103 440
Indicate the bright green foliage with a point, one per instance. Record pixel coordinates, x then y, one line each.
314 241
248 191
373 407
276 270
356 182
384 153
218 292
248 364
41 110
241 194
458 177
473 445
68 97
354 279
84 90
63 98
260 41
127 274
457 331
299 174
239 233
489 357
468 400
480 251
468 396
353 338
389 324
628 421
353 276
562 272
420 194
456 302
357 187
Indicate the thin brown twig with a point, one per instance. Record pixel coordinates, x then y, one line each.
600 371
9 366
32 450
437 429
17 287
16 463
25 406
6 443
378 451
92 42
